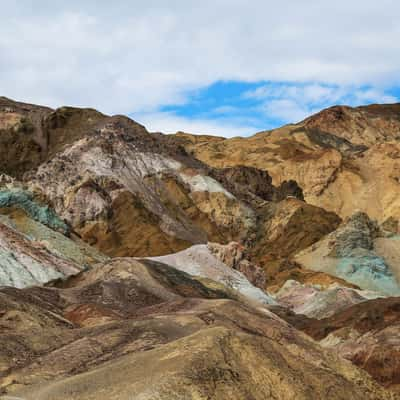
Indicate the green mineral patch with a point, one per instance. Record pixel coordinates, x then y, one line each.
370 272
13 273
24 200
73 248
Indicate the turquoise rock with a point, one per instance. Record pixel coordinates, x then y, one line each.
368 271
41 213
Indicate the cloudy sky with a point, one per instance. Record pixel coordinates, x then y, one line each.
217 67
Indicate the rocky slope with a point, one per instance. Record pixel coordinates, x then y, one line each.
367 334
317 302
95 170
345 159
351 254
285 228
200 260
36 246
363 126
87 338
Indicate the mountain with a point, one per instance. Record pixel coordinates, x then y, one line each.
345 159
143 265
96 170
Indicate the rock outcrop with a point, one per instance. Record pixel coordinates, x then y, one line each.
367 334
36 246
235 256
207 262
23 200
349 253
117 171
252 184
284 229
315 301
363 126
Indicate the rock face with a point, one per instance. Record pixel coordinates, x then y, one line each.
34 248
362 126
317 302
345 159
250 183
116 171
32 134
285 228
192 341
23 200
234 256
349 253
21 135
202 260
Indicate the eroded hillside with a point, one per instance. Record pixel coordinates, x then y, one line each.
244 268
345 159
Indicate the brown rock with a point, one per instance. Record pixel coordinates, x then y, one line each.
234 256
367 334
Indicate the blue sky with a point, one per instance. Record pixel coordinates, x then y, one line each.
234 108
266 105
222 67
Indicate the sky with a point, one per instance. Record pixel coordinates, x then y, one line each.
218 67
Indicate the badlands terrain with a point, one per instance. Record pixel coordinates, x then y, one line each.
138 265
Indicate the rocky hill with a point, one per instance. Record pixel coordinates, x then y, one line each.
191 339
345 159
244 268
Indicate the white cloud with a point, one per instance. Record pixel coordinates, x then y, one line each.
134 56
294 102
131 56
372 95
285 110
170 123
225 109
